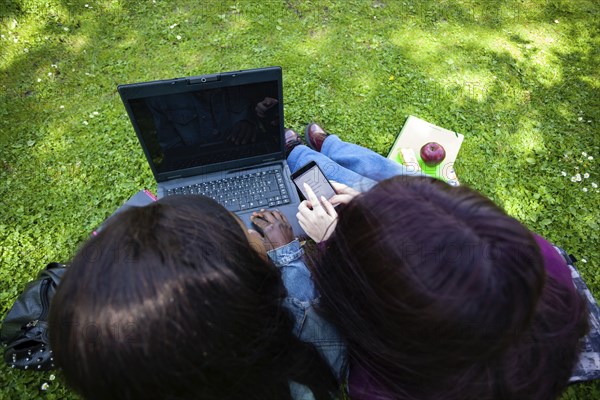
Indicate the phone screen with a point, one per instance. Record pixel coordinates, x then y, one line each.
312 175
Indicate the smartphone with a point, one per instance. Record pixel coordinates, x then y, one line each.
314 177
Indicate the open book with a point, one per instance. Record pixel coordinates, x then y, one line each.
414 135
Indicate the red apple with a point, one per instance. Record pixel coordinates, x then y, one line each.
432 154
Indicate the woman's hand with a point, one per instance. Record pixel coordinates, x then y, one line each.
344 193
317 218
274 227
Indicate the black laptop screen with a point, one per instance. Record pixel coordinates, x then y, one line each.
209 126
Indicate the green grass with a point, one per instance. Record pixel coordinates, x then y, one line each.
519 78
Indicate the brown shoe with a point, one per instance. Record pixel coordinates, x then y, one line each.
292 139
315 136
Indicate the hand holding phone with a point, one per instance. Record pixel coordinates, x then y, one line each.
344 194
319 221
312 175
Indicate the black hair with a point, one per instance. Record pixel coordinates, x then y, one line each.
170 301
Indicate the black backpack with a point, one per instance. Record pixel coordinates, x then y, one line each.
25 327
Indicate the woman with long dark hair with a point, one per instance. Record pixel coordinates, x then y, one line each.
437 292
176 300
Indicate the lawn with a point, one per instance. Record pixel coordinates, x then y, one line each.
519 78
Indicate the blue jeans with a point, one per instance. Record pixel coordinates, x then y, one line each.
347 163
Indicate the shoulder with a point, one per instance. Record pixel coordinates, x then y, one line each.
554 264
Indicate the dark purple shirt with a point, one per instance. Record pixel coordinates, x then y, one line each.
554 263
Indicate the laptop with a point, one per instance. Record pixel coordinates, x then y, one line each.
218 135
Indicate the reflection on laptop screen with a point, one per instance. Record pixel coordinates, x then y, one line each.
209 126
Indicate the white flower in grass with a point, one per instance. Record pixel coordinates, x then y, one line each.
178 37
173 26
26 50
580 119
563 173
594 185
573 179
39 79
583 153
66 29
85 122
578 177
584 190
45 386
96 113
62 107
586 175
52 377
583 260
590 158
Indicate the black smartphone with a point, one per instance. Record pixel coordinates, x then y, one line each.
314 177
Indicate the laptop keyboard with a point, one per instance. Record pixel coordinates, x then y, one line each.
243 192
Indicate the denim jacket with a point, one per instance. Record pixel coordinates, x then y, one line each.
301 301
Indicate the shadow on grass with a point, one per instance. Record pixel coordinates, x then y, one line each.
10 9
513 98
497 92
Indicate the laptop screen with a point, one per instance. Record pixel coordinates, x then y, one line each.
203 127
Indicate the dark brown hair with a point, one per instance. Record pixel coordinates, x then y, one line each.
438 294
170 301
